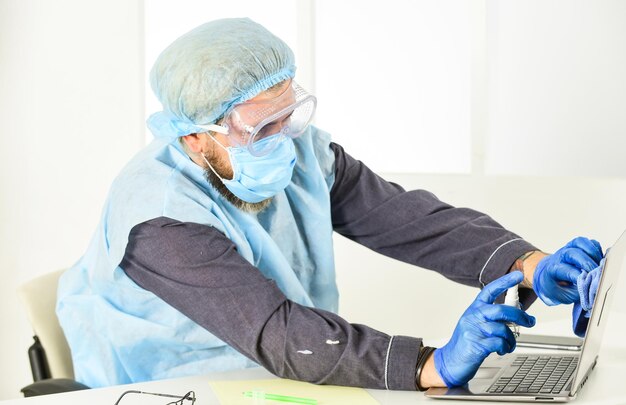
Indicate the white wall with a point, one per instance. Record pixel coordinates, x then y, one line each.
71 114
398 75
557 88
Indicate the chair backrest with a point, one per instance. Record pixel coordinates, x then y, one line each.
39 297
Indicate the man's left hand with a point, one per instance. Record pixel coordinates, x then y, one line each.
555 276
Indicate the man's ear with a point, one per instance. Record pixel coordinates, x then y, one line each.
195 142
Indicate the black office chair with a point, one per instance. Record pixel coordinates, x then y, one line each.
50 358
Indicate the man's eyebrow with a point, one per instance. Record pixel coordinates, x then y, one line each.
282 118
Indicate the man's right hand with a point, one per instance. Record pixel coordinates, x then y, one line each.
481 330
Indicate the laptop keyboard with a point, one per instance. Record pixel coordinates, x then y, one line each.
536 375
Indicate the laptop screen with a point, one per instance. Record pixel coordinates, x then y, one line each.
615 262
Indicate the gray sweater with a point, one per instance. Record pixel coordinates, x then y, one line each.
232 299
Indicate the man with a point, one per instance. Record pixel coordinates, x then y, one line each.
214 250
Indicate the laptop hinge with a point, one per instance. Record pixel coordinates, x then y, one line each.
584 379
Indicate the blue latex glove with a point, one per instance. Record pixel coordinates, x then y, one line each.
556 275
481 331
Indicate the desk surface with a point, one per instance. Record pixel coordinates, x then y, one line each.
606 384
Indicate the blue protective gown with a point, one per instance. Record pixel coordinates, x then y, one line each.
120 333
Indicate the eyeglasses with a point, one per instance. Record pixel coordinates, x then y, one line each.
190 396
260 125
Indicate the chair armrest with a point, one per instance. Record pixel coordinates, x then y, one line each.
52 386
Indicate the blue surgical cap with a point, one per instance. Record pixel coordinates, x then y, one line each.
211 68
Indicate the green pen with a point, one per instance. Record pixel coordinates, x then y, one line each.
280 398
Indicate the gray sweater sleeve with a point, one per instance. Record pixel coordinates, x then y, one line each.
197 270
415 227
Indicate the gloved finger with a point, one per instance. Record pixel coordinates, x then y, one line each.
590 246
597 255
578 258
564 272
495 344
499 285
498 329
505 313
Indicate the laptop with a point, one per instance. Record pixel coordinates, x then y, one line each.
546 376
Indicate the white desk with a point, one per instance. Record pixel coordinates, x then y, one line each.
606 385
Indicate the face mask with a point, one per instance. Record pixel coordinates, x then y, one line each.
256 178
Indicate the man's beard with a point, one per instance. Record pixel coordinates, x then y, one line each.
225 192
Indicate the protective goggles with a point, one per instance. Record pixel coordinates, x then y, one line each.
260 125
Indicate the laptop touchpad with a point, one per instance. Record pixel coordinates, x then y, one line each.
487 372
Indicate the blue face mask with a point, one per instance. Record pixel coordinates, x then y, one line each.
256 178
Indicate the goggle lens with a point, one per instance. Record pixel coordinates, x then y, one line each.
291 123
261 126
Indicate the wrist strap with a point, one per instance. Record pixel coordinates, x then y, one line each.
423 355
